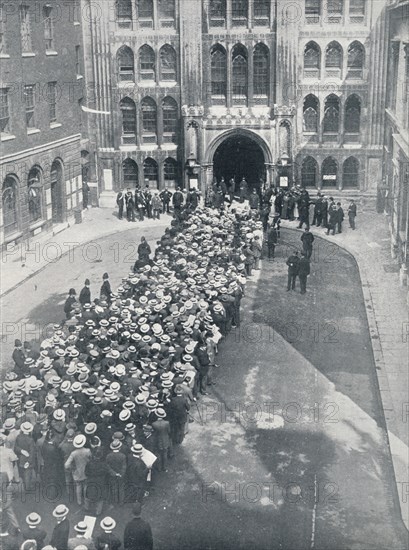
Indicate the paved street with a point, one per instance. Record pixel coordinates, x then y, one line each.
292 452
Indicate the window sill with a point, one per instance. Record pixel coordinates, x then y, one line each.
28 54
4 56
12 237
77 24
51 53
7 137
126 83
33 131
79 77
37 225
55 125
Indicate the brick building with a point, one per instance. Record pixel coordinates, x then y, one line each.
277 90
40 164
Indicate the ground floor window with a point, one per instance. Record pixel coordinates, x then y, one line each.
9 204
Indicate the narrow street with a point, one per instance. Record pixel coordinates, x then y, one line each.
289 449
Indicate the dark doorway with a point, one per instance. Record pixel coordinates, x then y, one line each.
238 157
56 192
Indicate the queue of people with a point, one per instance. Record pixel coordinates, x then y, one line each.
100 407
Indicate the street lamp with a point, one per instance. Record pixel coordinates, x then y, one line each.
191 161
284 159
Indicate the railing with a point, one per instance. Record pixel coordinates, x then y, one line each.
354 73
312 19
352 137
167 23
218 100
169 137
260 99
217 22
311 72
261 21
333 72
124 23
129 139
146 23
127 76
330 137
149 138
239 21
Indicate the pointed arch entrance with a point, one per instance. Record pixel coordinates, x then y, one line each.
240 153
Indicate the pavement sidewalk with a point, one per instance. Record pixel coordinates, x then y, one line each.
388 320
24 260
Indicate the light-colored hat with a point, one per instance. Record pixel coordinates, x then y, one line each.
81 527
60 511
26 428
79 441
33 519
108 524
137 449
59 414
90 428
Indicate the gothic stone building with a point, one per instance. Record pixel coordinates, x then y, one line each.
284 90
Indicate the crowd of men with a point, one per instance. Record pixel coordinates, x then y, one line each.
101 405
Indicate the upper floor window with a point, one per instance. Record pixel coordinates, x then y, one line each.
29 100
356 60
25 29
78 68
167 14
146 63
333 56
124 14
239 74
335 7
48 27
239 13
4 111
52 101
356 11
218 71
145 13
128 112
312 11
261 12
2 33
352 114
149 117
331 114
167 63
311 114
170 119
217 13
261 70
312 60
35 194
130 173
125 60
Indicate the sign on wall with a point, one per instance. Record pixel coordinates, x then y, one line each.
283 181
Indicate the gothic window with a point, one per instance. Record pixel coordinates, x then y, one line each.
130 173
145 13
312 60
170 118
333 56
312 11
166 9
218 71
170 172
309 172
150 172
350 172
149 120
261 70
335 7
331 114
329 172
9 204
239 12
239 73
356 60
352 114
217 13
128 111
261 12
146 63
125 61
357 8
310 114
167 63
35 195
124 14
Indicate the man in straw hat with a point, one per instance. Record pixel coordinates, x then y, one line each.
61 532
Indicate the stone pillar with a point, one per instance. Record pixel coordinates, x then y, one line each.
229 77
160 123
250 66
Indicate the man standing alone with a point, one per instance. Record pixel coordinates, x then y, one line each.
352 214
307 239
293 263
303 272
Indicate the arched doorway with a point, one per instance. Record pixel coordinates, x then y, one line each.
239 156
56 177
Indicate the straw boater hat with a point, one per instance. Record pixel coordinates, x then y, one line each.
79 441
108 524
60 511
33 519
26 428
137 449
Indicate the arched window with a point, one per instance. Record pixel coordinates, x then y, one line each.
170 120
170 172
150 172
9 204
261 13
239 13
350 172
331 115
130 173
239 75
218 73
146 63
312 60
166 10
261 70
329 172
149 120
352 115
35 194
217 13
145 13
126 64
167 63
128 111
124 14
356 60
333 56
309 172
311 114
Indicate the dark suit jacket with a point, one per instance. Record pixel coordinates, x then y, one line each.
138 535
59 538
85 296
161 430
